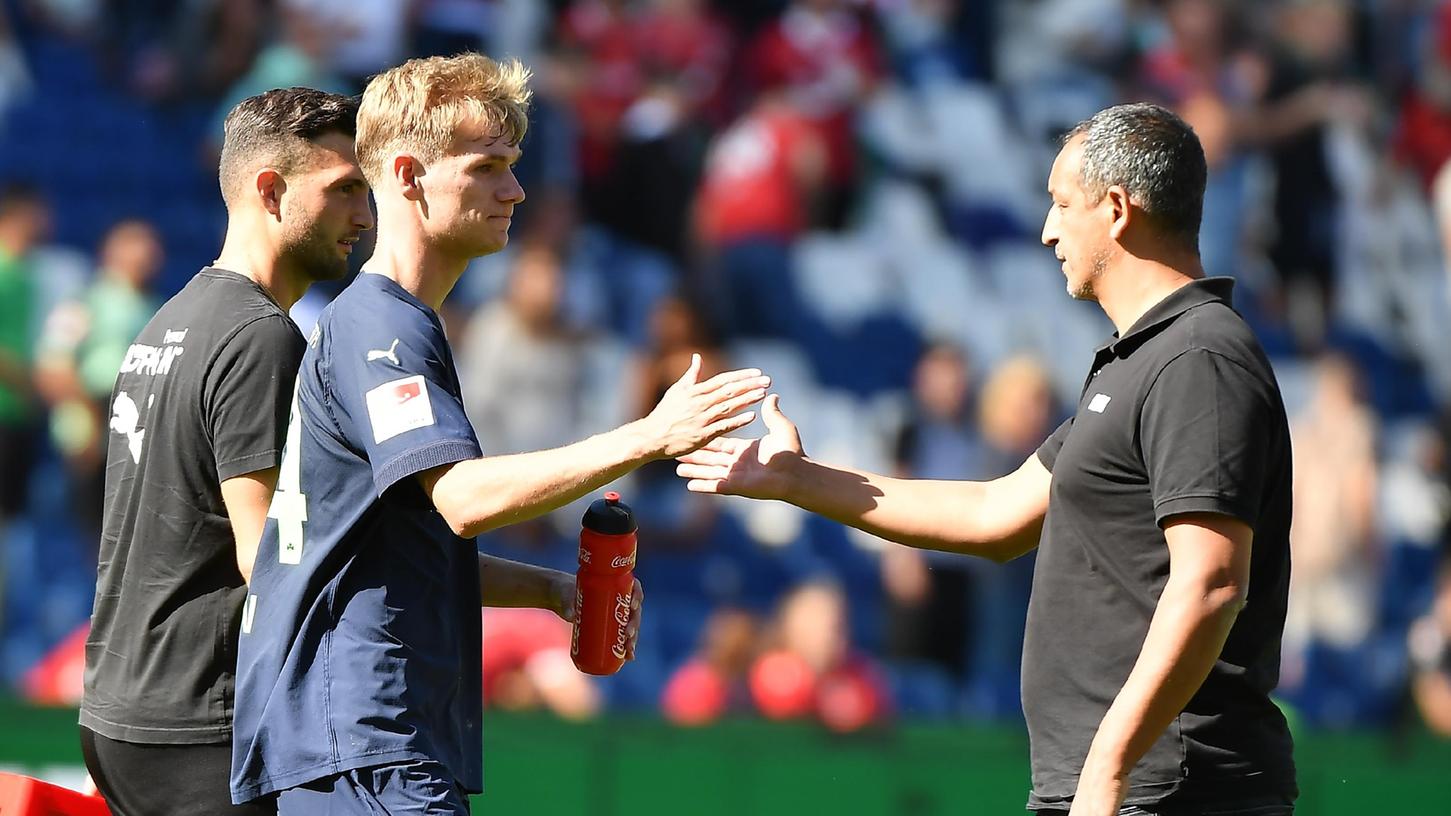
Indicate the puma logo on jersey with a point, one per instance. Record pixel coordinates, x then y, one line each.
379 354
174 336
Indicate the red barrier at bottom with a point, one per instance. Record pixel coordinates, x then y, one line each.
23 796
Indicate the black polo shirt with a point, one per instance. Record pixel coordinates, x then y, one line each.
1181 414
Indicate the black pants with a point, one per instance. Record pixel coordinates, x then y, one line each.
161 780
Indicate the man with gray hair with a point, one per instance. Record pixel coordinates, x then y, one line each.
197 420
1160 510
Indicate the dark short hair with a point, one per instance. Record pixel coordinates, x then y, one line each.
1155 156
16 195
273 128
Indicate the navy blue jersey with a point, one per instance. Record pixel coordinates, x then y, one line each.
361 632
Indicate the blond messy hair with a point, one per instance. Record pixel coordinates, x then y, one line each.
417 106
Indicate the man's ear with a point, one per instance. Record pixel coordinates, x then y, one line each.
409 173
270 189
1120 210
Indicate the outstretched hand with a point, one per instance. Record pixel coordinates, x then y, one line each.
757 468
693 413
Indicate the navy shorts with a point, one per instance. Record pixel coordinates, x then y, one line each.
406 789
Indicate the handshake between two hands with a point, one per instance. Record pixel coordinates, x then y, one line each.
690 424
692 421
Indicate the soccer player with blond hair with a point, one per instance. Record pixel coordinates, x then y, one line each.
359 685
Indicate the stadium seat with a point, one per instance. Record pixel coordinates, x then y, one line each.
25 796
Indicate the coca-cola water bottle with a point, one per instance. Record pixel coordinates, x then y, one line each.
603 586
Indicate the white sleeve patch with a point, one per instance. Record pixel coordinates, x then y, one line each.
398 406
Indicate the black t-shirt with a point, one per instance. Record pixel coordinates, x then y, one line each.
1180 415
203 396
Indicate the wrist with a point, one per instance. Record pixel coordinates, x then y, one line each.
638 444
559 593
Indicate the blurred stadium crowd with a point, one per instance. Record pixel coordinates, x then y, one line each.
845 193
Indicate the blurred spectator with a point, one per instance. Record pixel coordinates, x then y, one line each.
683 42
680 51
520 366
1423 130
366 36
527 665
761 175
811 668
24 223
598 53
82 346
1332 541
823 56
1430 652
669 516
1017 411
296 57
712 683
1306 89
928 597
165 50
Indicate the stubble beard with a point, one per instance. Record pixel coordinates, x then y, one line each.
315 255
1086 288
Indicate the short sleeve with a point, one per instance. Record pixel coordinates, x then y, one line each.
247 394
1206 433
1048 451
396 383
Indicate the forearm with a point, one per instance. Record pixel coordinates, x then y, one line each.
484 494
974 518
509 583
1185 638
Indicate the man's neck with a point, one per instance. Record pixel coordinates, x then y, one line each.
422 270
1136 285
257 261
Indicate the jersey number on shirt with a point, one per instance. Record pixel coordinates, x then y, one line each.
289 505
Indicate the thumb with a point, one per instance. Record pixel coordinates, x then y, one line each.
692 374
774 419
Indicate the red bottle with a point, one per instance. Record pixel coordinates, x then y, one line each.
603 585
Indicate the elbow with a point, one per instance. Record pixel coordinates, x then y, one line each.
1226 599
463 518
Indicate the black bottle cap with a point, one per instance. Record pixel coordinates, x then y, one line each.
609 516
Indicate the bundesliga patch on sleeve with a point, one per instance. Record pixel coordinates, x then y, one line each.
398 406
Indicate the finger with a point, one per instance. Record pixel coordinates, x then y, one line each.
774 419
705 486
726 445
729 377
731 406
705 456
734 388
729 424
701 472
692 372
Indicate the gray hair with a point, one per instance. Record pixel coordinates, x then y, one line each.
1155 156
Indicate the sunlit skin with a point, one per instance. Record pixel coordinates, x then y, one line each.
471 193
1075 228
444 212
287 231
327 210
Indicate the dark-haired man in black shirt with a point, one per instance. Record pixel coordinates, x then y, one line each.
198 417
1153 635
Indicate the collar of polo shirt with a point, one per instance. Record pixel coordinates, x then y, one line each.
1194 293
